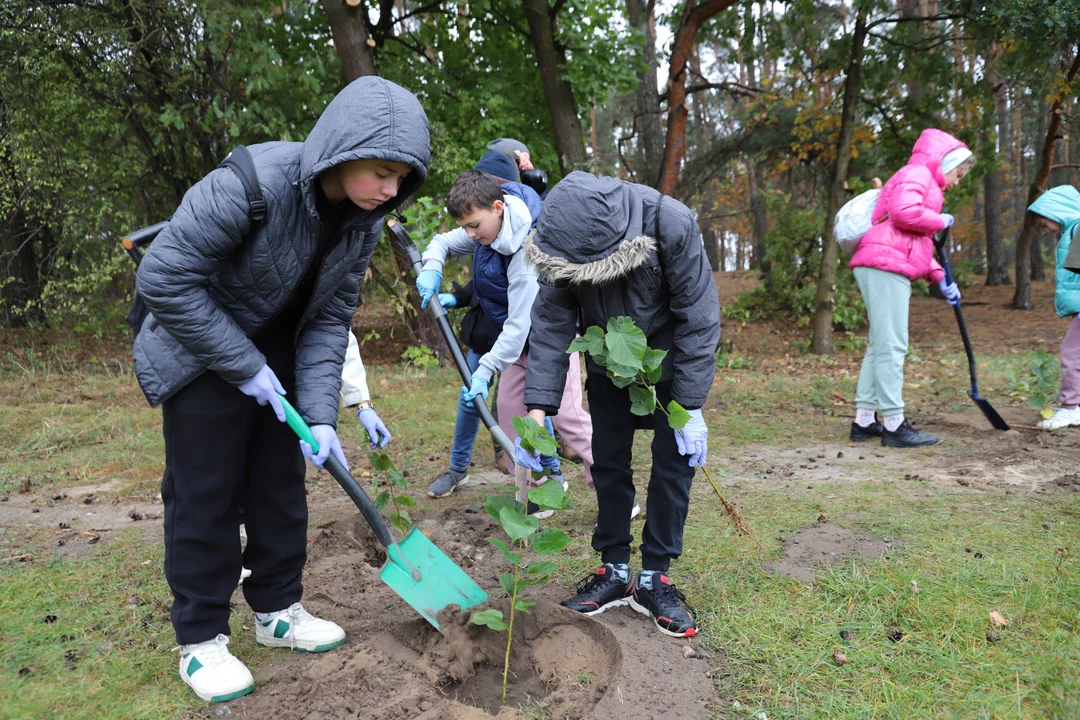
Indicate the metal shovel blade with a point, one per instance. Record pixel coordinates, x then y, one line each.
989 412
424 577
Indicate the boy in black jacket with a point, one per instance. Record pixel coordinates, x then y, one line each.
605 248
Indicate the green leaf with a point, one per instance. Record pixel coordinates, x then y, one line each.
653 359
550 496
523 605
591 342
621 381
495 503
642 400
406 501
382 500
506 580
549 541
626 343
397 478
517 526
510 556
401 521
380 461
677 416
654 375
543 567
491 618
533 436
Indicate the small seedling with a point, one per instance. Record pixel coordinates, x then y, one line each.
630 363
392 480
523 531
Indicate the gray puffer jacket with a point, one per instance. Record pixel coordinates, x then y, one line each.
210 287
600 252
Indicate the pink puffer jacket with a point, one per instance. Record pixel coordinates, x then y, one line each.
908 213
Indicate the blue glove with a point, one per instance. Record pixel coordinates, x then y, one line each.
448 300
427 284
526 459
326 437
950 291
265 388
949 219
479 387
693 439
374 426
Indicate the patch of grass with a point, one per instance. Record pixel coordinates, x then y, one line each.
778 636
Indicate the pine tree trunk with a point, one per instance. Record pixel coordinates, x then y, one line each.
997 265
351 39
647 117
825 297
551 59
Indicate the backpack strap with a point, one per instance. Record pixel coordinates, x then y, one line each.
240 162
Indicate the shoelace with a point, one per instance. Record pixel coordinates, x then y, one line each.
297 614
670 593
212 655
590 583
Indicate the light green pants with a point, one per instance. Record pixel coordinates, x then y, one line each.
881 381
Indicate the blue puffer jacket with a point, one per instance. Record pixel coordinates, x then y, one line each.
211 285
1062 205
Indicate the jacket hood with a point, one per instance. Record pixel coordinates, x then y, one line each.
1060 204
516 225
590 231
930 148
372 118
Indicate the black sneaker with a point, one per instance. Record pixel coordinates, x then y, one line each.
666 605
907 436
599 591
871 432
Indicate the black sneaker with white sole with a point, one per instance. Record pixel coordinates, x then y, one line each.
906 436
600 591
665 604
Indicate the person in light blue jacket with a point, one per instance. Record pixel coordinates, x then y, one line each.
1058 211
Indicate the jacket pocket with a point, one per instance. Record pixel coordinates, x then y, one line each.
651 277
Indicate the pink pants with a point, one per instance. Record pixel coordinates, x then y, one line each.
572 422
1070 365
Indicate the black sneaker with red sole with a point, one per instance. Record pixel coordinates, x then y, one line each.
599 592
666 605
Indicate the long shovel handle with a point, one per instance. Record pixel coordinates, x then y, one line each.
943 258
343 477
401 237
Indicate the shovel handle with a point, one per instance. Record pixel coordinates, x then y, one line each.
401 237
943 258
343 477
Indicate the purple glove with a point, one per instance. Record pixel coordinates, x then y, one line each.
374 426
264 387
526 459
327 439
950 291
693 439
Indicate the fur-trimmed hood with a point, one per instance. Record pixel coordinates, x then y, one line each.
590 231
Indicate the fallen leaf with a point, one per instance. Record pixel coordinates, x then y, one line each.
1047 413
997 618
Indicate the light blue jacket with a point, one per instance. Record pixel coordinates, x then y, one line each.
1062 205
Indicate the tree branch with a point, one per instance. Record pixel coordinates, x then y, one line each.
916 18
733 88
556 8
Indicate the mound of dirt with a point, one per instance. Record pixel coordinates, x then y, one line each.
825 544
395 666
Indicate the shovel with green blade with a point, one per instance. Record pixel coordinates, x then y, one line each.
420 573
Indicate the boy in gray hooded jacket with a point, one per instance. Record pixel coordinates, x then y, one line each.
605 248
239 315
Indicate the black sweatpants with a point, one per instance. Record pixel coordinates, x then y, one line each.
669 482
219 441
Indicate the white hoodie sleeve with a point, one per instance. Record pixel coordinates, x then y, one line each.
354 388
447 245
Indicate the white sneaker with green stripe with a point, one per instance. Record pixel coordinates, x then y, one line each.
297 629
212 671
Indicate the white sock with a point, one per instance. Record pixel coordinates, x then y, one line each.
864 417
893 421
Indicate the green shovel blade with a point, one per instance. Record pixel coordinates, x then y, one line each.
437 583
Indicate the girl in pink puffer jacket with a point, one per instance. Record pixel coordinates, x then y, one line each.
899 248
